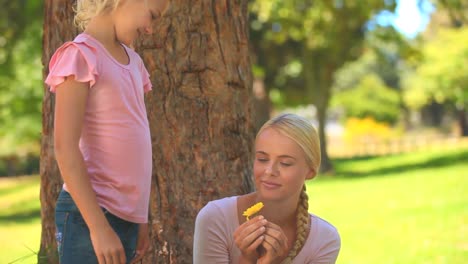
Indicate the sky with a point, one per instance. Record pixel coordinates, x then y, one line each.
409 19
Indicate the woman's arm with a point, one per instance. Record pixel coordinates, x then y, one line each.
329 252
70 107
210 238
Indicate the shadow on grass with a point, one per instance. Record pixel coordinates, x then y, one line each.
21 217
431 162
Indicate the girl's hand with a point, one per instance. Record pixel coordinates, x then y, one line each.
249 236
142 243
107 246
275 244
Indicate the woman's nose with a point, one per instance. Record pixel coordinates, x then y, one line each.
271 169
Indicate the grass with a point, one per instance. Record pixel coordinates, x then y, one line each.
20 223
409 208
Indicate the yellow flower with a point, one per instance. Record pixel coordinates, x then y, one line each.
252 210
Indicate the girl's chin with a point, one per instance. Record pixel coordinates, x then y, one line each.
127 41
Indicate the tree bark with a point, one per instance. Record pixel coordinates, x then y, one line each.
261 103
58 28
201 117
200 114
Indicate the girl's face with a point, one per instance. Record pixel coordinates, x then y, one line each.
280 167
135 17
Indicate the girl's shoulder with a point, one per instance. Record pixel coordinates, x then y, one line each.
81 48
78 58
82 42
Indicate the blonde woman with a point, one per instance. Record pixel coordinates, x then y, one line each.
287 152
102 138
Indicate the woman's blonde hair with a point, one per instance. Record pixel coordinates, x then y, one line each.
301 131
85 10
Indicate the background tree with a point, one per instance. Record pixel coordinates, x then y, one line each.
20 100
58 28
199 113
457 11
370 98
328 33
371 85
436 84
442 75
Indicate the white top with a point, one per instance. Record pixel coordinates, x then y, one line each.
214 236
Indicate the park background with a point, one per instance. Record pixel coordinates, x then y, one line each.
391 106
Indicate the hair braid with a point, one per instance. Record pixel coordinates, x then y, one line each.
302 226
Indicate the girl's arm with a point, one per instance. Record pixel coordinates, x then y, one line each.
70 107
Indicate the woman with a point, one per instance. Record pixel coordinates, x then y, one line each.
287 152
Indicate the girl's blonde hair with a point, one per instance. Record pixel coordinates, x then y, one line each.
301 131
85 10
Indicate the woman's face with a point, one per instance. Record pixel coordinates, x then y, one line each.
280 167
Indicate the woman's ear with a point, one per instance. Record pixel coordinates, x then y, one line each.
311 174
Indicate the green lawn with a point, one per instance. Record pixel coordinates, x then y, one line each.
410 208
20 224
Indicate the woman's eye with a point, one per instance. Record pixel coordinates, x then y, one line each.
286 164
262 160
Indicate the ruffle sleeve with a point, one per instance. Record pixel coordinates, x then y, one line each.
72 58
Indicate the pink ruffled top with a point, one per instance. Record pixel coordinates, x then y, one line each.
115 140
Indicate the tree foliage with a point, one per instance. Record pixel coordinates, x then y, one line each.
20 76
370 98
442 75
322 36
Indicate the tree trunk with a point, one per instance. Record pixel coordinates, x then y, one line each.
58 28
200 115
261 104
462 121
199 111
318 76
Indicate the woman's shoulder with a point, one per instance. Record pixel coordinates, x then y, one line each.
323 235
323 243
219 205
322 224
218 213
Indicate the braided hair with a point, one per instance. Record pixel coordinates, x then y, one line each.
304 134
302 226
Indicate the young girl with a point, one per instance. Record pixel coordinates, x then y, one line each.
102 138
287 152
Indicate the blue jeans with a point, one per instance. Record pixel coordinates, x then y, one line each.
72 233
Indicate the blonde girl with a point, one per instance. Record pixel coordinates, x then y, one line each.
101 133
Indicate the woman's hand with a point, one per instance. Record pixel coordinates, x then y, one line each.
143 243
275 245
249 236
